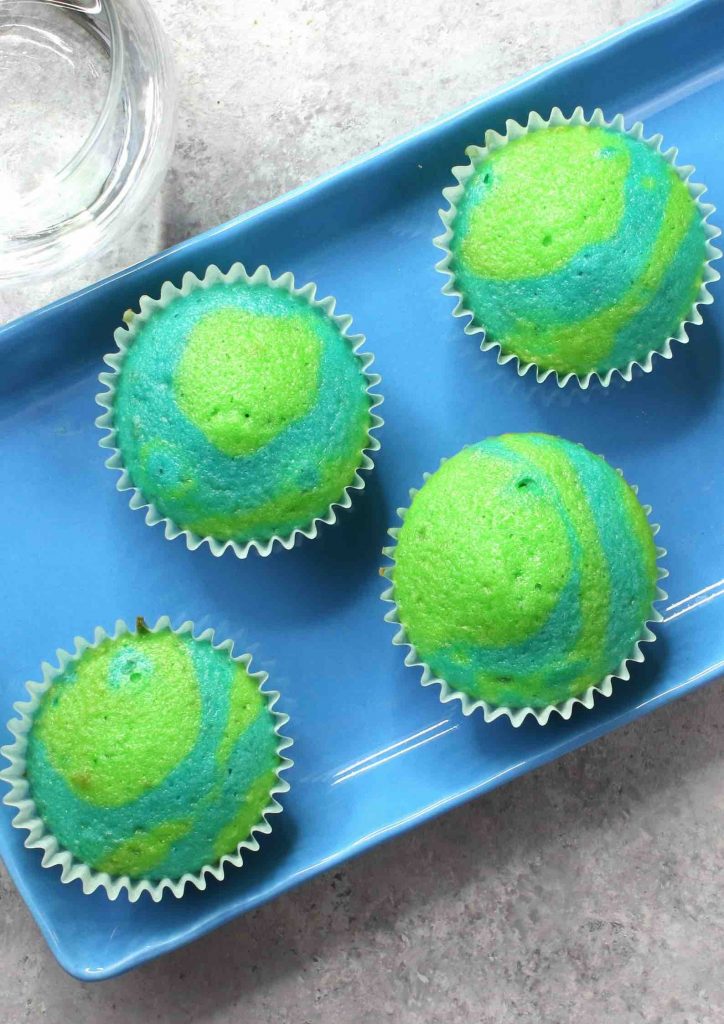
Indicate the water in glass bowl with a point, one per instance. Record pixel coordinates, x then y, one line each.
87 103
55 69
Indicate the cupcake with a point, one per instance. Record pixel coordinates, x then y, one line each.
146 760
239 410
524 574
577 247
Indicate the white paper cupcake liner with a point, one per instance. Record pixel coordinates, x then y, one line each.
514 130
124 337
55 855
516 715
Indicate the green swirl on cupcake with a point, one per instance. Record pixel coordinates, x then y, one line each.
152 755
241 411
577 248
525 571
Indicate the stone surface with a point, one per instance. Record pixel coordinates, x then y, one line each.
587 892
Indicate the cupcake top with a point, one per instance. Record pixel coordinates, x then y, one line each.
525 570
241 410
152 755
577 248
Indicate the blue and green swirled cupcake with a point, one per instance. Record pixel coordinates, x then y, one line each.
576 248
153 755
240 410
524 572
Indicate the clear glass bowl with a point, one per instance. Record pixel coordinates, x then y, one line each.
87 107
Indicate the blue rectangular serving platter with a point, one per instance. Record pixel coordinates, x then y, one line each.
375 753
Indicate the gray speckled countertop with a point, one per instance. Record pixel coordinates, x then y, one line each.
590 891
